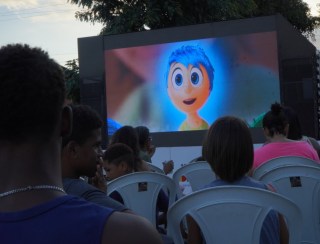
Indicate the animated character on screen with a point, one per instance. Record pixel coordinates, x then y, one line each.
189 83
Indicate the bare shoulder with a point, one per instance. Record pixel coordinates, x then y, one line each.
124 228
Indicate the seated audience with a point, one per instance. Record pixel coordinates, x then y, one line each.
81 156
147 149
127 135
295 133
119 160
275 126
33 205
229 151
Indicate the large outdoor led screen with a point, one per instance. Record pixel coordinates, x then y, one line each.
187 85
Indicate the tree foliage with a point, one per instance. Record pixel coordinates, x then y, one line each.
71 72
121 16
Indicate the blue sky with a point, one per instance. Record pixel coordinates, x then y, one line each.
51 25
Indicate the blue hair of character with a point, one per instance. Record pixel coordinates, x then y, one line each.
194 55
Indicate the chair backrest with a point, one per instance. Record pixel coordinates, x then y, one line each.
232 214
140 191
154 168
282 161
301 184
198 174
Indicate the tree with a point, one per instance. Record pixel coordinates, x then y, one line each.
121 16
296 12
72 78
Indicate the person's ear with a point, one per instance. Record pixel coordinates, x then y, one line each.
72 148
66 121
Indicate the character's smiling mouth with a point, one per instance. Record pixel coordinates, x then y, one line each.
189 101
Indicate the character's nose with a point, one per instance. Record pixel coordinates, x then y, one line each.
188 87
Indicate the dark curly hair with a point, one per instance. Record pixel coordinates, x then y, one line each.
85 120
32 93
275 120
229 148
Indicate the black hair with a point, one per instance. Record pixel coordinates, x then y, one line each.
143 135
275 120
294 132
32 93
117 153
85 121
128 135
229 148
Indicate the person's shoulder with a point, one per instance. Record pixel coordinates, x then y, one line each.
69 182
305 144
264 148
314 143
213 183
77 186
254 183
137 230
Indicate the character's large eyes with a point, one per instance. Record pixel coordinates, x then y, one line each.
196 77
177 78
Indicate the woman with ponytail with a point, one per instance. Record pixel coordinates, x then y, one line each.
276 126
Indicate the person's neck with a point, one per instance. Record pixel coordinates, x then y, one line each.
278 138
67 169
29 164
194 119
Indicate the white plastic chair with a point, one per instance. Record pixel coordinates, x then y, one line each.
154 168
301 184
232 214
140 197
198 174
282 161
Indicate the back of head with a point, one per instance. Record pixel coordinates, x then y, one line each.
126 135
275 120
229 148
294 132
143 135
32 93
85 121
117 153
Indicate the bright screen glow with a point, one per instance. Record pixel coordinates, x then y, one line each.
187 85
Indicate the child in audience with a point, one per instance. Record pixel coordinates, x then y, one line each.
229 151
127 135
146 149
119 160
276 126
